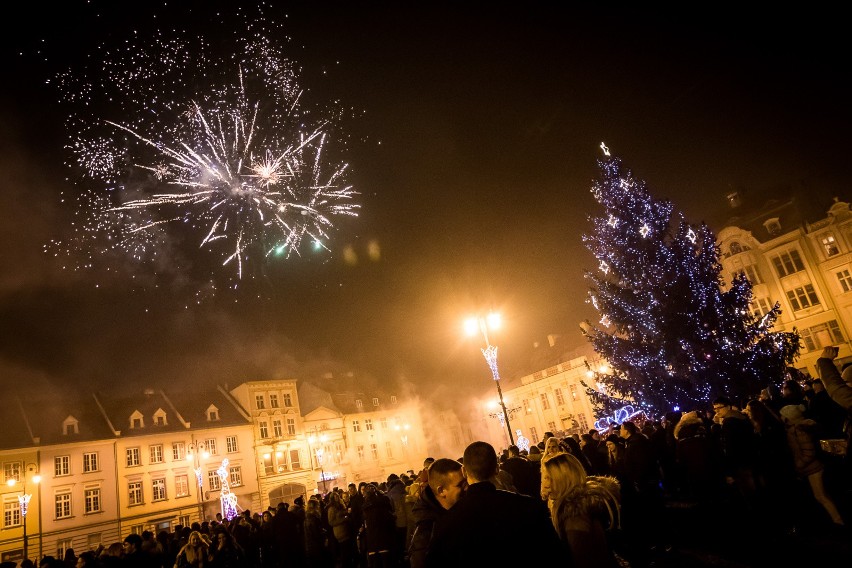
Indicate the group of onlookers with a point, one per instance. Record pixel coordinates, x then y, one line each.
589 500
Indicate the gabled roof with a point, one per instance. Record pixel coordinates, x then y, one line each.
312 397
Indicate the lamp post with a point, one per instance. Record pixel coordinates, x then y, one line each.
482 325
195 453
502 413
24 500
318 453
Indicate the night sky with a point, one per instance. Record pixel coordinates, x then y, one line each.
474 149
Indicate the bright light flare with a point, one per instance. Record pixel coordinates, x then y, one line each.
471 326
494 320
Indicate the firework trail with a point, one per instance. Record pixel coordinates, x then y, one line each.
173 137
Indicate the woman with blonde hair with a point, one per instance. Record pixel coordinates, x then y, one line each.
582 508
194 553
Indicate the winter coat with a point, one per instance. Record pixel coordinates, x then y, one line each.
427 513
379 523
340 524
800 436
737 442
396 493
582 519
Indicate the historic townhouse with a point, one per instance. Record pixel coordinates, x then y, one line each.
806 267
550 400
110 464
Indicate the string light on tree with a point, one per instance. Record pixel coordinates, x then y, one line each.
678 339
613 222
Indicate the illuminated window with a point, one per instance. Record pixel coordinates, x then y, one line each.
830 246
156 453
134 493
158 486
11 514
181 485
12 470
291 426
178 451
235 475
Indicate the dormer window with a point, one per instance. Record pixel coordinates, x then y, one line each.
137 420
375 402
358 404
160 417
393 399
212 413
70 426
773 226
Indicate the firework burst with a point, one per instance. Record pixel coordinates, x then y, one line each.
170 139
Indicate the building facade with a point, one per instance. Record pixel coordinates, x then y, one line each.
805 267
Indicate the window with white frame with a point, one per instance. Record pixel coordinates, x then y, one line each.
11 470
62 505
62 545
375 402
259 402
787 263
393 399
231 444
93 540
264 428
829 245
92 503
573 392
389 449
360 451
374 451
560 399
760 307
178 451
533 435
156 453
545 402
802 297
288 400
291 426
356 426
210 444
821 336
273 400
90 462
134 493
845 280
236 475
213 480
132 457
158 489
181 485
213 415
11 513
753 274
295 459
62 465
358 404
368 424
277 428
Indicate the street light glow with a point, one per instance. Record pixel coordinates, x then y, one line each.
471 326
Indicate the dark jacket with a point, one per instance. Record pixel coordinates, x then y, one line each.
426 512
396 493
640 460
485 527
526 475
379 523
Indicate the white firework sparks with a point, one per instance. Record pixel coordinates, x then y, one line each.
241 165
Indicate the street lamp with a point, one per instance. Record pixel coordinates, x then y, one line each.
196 451
318 453
24 500
499 413
482 325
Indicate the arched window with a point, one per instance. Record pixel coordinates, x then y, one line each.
736 248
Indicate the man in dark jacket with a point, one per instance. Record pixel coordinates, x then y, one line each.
484 527
526 477
446 485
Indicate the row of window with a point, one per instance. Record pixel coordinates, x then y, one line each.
374 451
829 246
359 404
368 424
277 428
274 402
545 399
178 451
135 495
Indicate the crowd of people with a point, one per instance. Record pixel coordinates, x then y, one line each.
589 500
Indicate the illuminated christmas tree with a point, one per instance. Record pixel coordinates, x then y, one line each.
673 337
